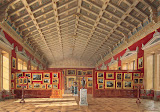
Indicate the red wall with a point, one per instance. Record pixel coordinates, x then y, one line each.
133 47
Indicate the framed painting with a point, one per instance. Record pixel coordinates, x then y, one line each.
17 81
110 84
46 81
12 76
18 86
140 63
25 81
136 74
29 81
49 86
100 86
71 71
118 84
127 85
13 63
100 81
36 76
55 75
79 72
19 75
100 74
89 79
28 75
36 85
46 75
135 86
127 76
55 86
12 85
140 81
89 84
25 87
110 75
20 81
84 72
30 86
43 86
118 76
89 72
54 80
135 81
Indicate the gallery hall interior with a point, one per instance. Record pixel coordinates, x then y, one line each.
79 55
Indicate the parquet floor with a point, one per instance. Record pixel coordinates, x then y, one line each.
71 104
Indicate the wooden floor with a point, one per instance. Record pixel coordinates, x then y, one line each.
71 104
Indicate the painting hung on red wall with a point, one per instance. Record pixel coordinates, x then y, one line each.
140 62
118 84
89 72
118 76
79 72
71 72
110 84
13 62
36 77
110 75
127 76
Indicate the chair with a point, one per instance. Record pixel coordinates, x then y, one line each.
4 95
12 94
151 94
143 94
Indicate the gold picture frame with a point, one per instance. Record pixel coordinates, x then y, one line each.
49 86
14 63
119 76
36 85
20 80
28 75
25 81
140 63
30 86
18 86
55 80
127 84
110 84
46 81
84 72
19 75
140 81
89 79
136 81
55 75
71 71
100 86
109 75
55 86
119 85
13 75
29 81
89 84
46 75
136 74
79 72
127 76
43 86
100 81
100 74
36 76
89 72
17 81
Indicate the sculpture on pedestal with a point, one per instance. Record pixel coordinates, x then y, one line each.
83 82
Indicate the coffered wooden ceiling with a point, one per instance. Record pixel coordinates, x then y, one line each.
82 29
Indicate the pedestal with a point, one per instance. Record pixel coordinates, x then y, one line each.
75 91
83 97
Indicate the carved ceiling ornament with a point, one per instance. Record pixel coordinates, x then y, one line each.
129 53
34 62
22 54
154 41
4 41
103 67
113 61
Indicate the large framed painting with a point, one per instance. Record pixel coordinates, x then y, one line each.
100 86
13 63
110 75
28 75
71 71
55 75
36 76
100 74
118 76
46 81
46 75
127 85
118 84
37 85
127 76
109 84
79 72
140 63
100 81
89 72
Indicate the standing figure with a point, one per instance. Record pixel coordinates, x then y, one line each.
83 82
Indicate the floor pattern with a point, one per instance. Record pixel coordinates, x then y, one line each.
71 104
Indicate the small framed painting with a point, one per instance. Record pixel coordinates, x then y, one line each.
49 86
127 76
118 84
12 76
118 76
55 80
20 81
55 75
71 71
89 84
25 81
140 81
89 79
110 75
43 86
46 75
13 62
100 74
46 81
25 87
136 74
110 84
89 72
29 81
17 81
135 81
79 72
127 84
100 81
18 86
28 75
19 75
84 72
36 85
36 76
55 86
140 63
100 86
30 86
